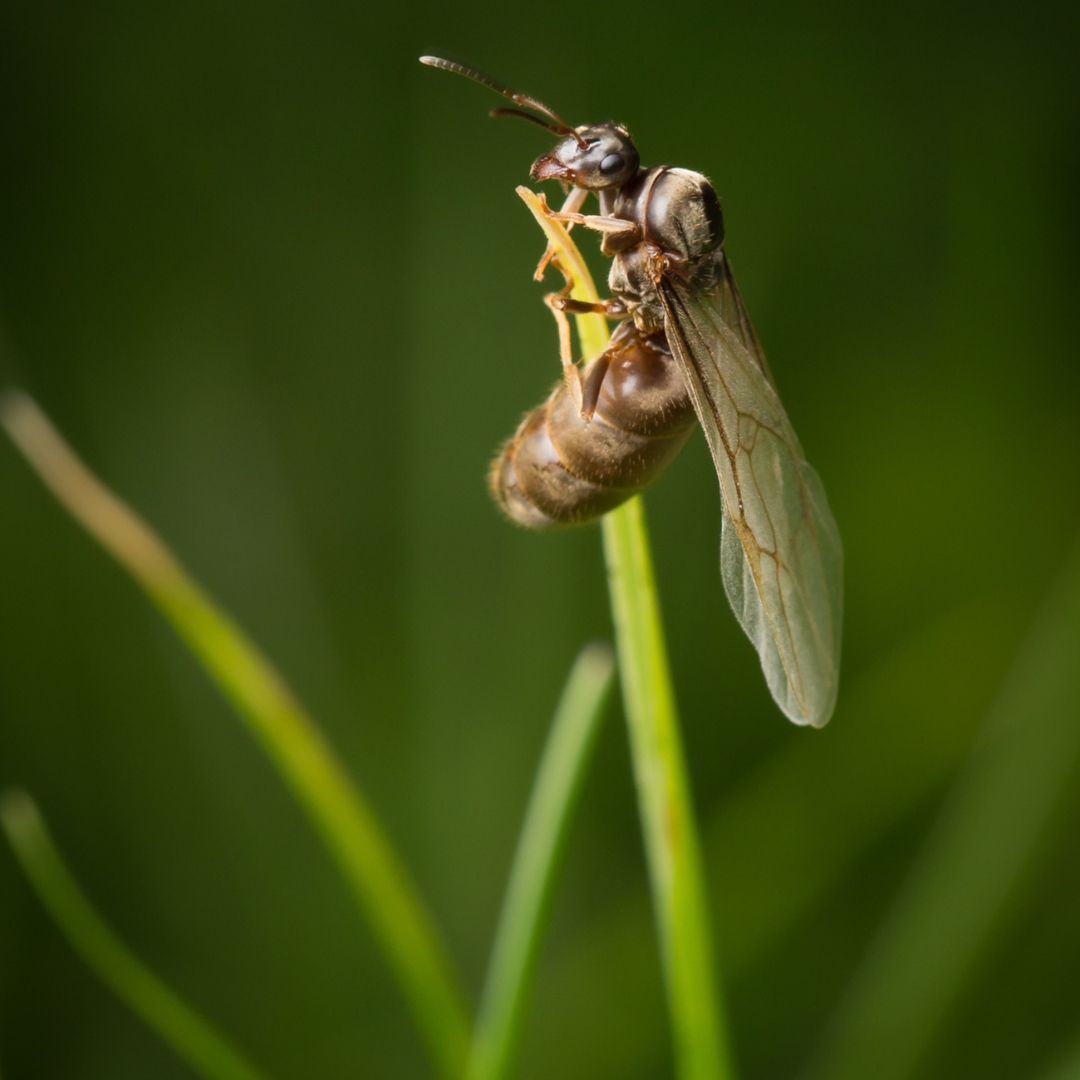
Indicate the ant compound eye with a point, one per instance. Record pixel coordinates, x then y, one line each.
612 164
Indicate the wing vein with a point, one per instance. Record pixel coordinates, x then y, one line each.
781 557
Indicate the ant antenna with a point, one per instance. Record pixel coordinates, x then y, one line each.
527 116
559 126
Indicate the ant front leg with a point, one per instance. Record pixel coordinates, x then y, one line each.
574 202
583 385
618 233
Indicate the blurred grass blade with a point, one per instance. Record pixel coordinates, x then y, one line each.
975 859
336 807
140 989
1068 1068
671 838
536 861
784 838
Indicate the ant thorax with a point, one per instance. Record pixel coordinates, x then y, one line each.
679 214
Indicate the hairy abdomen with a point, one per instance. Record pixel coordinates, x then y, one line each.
560 469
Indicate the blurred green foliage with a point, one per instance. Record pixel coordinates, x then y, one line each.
229 272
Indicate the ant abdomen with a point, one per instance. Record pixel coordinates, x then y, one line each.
562 469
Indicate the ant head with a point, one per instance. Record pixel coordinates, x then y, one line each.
594 156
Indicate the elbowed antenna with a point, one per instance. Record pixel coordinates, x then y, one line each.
559 125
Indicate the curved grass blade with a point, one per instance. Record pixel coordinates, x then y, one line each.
977 857
536 861
341 815
671 838
160 1007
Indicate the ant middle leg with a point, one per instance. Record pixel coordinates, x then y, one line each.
584 384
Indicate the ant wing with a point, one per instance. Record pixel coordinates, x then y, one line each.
780 554
733 314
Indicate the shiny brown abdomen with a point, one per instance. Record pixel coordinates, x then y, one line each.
560 469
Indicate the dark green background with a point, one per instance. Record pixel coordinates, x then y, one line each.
271 277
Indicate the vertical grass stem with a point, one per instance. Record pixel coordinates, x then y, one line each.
671 837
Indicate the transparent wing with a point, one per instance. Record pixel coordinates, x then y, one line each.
780 553
729 305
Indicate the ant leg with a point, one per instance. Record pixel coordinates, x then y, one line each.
571 372
623 228
592 379
574 202
619 233
611 309
617 230
583 385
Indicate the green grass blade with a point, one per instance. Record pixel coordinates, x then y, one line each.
976 858
784 838
536 861
671 837
376 877
137 986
